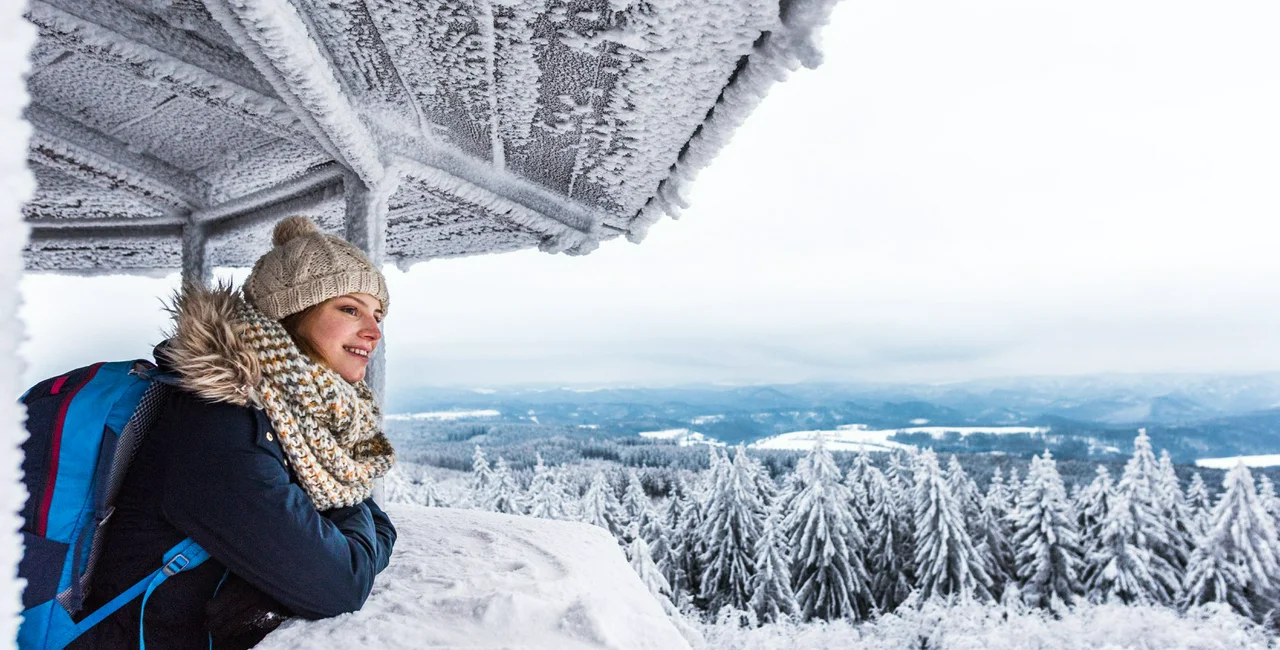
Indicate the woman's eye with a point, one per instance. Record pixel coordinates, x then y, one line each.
349 310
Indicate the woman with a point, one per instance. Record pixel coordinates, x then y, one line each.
265 456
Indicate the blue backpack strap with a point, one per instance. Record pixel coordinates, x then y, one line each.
184 556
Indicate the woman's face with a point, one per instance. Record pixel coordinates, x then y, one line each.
344 331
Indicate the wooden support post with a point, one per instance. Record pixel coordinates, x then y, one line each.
195 260
367 229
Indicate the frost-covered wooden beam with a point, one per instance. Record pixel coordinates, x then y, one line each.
276 38
134 49
89 234
281 204
62 223
325 180
568 225
96 158
791 44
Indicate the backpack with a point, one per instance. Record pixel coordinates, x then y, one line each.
84 429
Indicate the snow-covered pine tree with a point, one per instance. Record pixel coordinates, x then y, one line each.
642 562
988 539
1174 509
856 480
1118 568
1152 531
999 498
690 547
481 474
635 503
771 593
600 505
1091 511
734 516
766 489
1267 496
889 550
546 497
658 538
827 566
1045 540
945 559
1236 560
672 563
503 495
1199 505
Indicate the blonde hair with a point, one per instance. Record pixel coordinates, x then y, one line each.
291 324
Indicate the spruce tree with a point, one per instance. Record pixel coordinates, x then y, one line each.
734 517
771 593
635 503
1174 510
1091 511
889 550
546 497
1045 540
691 547
1151 532
480 475
600 506
988 539
503 495
1236 560
1199 505
947 564
671 563
642 562
1118 567
1267 496
827 567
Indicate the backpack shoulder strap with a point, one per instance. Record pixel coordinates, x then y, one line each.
184 556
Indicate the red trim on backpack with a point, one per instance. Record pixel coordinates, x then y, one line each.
42 514
57 385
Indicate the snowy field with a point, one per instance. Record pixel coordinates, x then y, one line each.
856 437
1266 460
444 416
682 437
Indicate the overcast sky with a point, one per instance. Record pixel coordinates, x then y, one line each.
962 190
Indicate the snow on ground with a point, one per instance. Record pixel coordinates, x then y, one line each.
446 415
1227 462
481 580
706 419
993 627
854 437
682 437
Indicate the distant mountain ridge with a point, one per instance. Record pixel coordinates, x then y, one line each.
1192 416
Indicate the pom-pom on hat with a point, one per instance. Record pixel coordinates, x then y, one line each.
307 267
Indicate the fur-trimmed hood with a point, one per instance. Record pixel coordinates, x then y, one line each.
206 347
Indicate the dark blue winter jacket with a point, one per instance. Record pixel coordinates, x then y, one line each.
216 473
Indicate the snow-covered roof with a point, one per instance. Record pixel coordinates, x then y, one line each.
481 580
474 126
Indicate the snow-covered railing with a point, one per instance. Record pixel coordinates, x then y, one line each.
480 580
16 185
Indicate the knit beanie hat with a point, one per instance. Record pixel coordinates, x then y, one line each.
307 267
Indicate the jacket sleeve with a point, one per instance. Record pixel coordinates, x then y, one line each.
234 497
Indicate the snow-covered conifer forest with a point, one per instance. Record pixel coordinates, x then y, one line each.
905 549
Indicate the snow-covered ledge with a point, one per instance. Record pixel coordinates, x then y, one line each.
478 580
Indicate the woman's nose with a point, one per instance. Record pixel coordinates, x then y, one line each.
371 330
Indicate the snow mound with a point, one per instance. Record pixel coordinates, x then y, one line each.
470 579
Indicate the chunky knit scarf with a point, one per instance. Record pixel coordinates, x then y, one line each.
330 429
